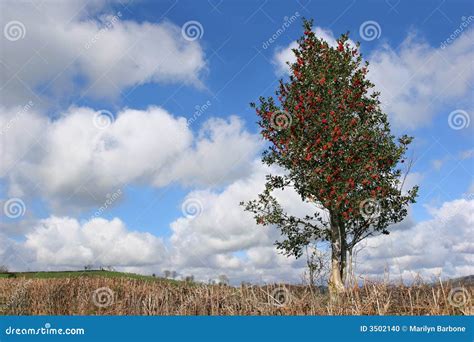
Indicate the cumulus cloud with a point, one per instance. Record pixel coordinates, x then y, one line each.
91 49
221 225
222 150
438 246
210 241
415 79
63 241
73 161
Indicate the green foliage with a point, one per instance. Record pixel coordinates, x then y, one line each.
327 130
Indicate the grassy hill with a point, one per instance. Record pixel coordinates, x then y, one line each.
82 273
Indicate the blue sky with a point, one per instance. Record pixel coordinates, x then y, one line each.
114 57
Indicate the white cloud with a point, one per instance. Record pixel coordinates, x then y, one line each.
438 246
284 55
210 242
416 79
222 226
71 162
88 48
63 241
223 149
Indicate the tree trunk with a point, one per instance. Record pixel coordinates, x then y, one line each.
350 279
336 286
343 266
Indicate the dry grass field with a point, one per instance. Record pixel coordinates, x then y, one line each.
101 295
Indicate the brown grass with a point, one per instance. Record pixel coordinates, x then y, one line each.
122 296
